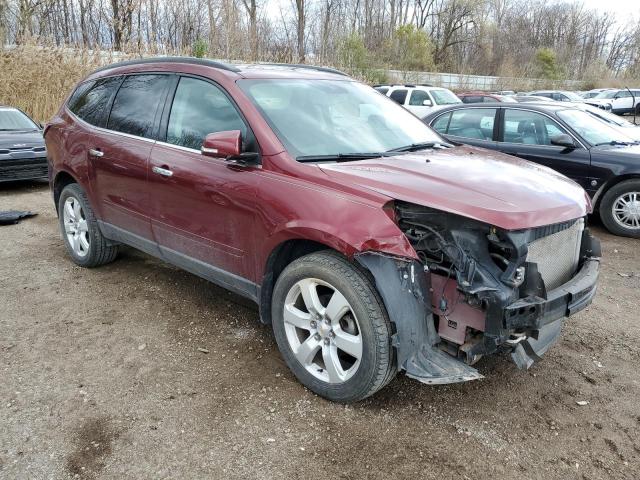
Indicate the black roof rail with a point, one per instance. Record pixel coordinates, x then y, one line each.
309 67
190 60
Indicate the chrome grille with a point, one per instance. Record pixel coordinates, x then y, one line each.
557 254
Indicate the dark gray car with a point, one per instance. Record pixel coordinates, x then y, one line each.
23 154
596 155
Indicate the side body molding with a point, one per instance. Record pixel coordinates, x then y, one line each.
404 288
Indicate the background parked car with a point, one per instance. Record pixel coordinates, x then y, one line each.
531 98
484 97
558 95
618 101
594 92
23 155
419 99
604 161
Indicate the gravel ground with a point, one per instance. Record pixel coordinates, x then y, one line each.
102 377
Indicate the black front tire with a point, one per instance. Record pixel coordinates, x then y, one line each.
100 251
378 363
608 202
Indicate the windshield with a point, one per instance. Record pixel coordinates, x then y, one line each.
590 128
333 117
574 96
606 94
12 119
444 97
608 116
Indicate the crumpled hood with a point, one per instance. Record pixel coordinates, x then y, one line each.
476 183
21 139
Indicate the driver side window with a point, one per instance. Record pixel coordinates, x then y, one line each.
531 128
200 108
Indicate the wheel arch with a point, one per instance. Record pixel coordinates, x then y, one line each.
282 255
61 180
597 198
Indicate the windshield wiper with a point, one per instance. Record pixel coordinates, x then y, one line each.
616 142
420 146
341 157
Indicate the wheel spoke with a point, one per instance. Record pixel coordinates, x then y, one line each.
84 243
68 208
75 242
77 210
297 318
309 291
332 364
82 226
351 344
307 350
337 307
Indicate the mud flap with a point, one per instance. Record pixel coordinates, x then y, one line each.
404 288
529 351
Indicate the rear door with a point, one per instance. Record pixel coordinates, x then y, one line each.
471 125
120 155
527 134
203 207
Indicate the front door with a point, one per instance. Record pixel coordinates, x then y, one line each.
527 134
202 207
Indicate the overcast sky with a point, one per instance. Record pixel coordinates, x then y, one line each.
624 9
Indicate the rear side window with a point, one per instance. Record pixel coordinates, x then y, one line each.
136 103
200 108
382 90
399 96
472 99
473 123
442 123
91 100
418 98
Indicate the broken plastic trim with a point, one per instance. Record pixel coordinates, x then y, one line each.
404 287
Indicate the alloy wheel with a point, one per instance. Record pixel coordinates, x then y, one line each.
75 226
322 330
626 210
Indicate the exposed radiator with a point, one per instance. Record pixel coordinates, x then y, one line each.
557 254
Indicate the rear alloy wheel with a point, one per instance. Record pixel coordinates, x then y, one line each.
332 328
620 209
82 236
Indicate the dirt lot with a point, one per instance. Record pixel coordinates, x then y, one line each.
102 378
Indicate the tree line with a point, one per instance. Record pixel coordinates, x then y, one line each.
520 38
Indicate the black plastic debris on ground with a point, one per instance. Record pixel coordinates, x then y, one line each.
10 217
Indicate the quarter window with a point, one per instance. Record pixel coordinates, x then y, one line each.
134 108
399 96
442 123
521 126
200 108
91 100
472 123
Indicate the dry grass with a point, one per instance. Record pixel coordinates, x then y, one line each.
38 79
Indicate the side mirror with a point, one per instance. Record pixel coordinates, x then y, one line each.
563 140
228 145
427 103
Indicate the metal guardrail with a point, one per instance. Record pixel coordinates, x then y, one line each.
457 81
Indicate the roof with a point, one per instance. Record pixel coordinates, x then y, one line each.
257 70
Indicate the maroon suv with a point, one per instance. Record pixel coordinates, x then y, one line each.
369 243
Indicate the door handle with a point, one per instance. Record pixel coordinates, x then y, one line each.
165 172
94 152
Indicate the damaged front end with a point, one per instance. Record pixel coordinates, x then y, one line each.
478 290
